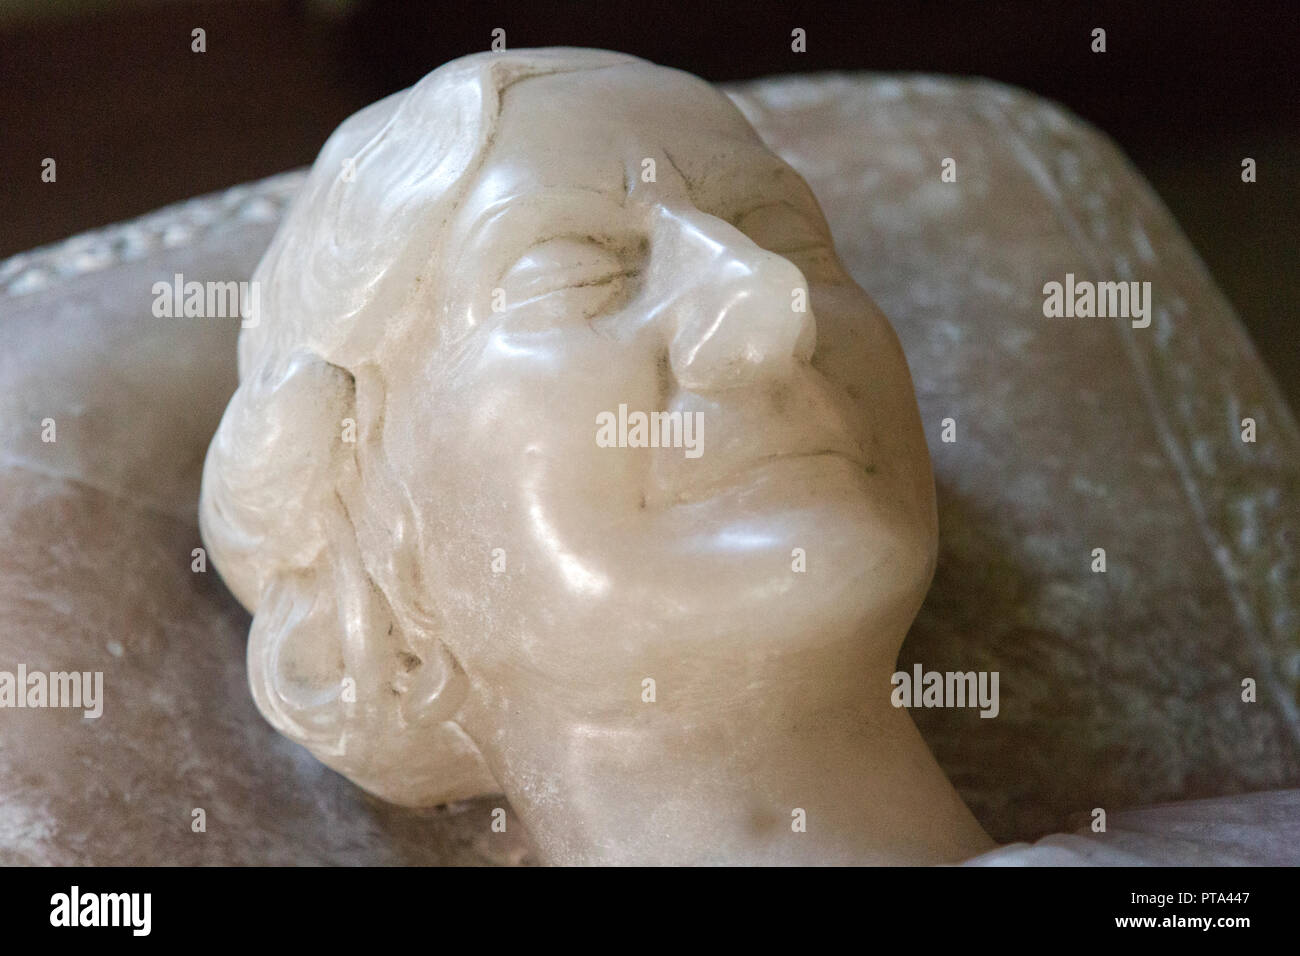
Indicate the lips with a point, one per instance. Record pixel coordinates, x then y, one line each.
800 425
745 445
784 466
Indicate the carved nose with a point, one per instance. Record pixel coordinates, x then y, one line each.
743 313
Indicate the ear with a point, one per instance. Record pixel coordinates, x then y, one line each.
328 665
330 670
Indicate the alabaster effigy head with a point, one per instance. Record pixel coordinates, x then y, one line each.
568 462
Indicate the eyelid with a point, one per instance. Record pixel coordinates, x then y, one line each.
814 228
540 278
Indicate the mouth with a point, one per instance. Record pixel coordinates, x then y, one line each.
765 470
821 453
778 440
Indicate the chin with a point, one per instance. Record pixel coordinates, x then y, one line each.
872 568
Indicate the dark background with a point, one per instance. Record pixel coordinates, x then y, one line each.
135 120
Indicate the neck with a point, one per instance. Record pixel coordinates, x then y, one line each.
752 780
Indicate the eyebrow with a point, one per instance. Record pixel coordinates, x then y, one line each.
746 209
775 173
500 210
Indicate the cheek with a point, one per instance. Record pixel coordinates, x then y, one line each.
859 351
514 424
851 333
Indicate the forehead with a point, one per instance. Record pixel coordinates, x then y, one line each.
593 130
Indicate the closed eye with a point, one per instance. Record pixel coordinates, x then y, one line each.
778 227
586 274
562 263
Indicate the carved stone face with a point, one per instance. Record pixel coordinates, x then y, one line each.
623 418
629 241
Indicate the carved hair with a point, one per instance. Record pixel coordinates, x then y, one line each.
344 648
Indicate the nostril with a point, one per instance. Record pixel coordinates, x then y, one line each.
805 342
